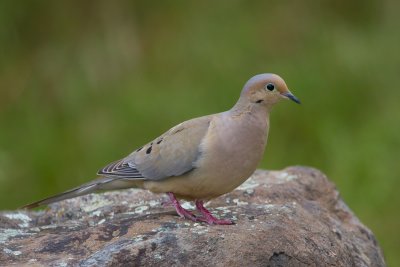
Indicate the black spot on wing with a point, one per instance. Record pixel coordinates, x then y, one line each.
120 169
148 151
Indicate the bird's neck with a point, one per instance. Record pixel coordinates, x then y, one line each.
245 108
250 115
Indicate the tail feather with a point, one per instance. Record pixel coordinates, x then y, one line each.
95 185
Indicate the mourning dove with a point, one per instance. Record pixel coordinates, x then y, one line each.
198 159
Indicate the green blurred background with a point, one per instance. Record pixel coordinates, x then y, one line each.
83 83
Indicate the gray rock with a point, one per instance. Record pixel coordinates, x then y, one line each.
293 217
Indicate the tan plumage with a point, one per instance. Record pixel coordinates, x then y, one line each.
201 158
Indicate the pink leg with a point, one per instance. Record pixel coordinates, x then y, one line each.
181 211
208 217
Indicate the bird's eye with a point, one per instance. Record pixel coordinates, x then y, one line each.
270 86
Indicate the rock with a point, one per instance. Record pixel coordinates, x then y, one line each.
293 217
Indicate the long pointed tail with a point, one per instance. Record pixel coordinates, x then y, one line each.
95 185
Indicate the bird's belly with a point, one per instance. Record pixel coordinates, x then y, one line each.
197 185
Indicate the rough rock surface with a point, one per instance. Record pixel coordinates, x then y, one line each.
293 217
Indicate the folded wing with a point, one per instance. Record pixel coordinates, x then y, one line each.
171 154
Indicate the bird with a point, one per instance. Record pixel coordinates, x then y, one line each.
198 159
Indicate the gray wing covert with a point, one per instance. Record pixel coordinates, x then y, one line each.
171 154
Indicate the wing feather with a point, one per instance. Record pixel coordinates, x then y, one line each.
171 154
120 169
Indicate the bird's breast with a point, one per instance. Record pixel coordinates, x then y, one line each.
230 153
235 143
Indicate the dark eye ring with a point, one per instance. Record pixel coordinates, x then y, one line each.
270 86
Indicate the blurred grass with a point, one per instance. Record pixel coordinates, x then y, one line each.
83 83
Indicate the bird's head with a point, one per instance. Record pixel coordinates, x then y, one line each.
267 89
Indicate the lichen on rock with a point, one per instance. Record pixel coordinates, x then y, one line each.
293 217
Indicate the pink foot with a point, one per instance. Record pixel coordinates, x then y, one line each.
181 211
208 217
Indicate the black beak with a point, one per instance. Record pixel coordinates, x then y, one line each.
291 97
